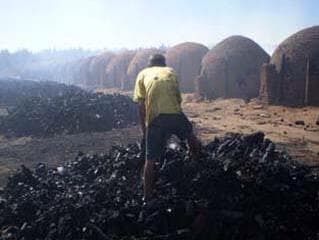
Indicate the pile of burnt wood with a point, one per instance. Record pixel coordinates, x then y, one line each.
13 91
69 113
241 187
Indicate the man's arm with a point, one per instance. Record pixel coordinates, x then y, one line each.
139 97
141 108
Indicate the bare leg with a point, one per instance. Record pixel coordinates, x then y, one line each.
149 175
194 145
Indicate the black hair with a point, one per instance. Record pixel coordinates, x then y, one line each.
157 60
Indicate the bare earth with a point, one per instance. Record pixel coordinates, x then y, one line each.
217 117
210 119
55 150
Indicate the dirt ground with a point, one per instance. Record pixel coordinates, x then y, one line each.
55 150
211 119
215 118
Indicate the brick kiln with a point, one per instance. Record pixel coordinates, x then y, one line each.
81 74
231 69
185 58
115 74
292 77
97 69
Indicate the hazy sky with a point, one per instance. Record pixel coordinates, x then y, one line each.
96 24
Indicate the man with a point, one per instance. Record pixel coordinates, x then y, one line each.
157 93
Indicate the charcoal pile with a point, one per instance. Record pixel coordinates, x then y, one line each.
68 114
13 91
240 187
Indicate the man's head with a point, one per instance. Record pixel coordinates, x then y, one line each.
157 60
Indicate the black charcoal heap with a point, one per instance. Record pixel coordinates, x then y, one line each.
241 187
70 113
13 91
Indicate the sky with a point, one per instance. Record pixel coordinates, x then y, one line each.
115 24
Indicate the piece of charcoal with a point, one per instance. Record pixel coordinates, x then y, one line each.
300 122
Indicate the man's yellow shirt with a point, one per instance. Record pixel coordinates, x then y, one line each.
158 87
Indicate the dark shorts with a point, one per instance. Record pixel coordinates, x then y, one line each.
161 129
